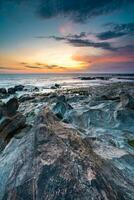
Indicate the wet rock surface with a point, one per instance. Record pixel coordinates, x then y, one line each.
53 162
78 144
3 91
55 86
26 97
11 90
19 87
10 120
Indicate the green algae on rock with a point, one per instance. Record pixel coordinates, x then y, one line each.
131 143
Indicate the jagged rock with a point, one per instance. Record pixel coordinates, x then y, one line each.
109 97
61 98
10 125
131 143
53 162
26 97
36 89
12 106
94 78
61 108
2 109
56 86
10 120
11 90
53 95
3 91
3 122
19 87
127 100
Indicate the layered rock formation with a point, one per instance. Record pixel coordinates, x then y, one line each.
53 162
10 120
78 145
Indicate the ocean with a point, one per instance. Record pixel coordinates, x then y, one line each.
45 81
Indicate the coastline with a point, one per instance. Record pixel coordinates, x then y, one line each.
96 120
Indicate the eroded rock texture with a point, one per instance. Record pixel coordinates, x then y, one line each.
10 121
53 162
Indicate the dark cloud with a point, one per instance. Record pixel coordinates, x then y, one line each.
117 30
53 67
78 36
39 64
33 67
23 63
88 43
1 67
69 36
50 37
43 66
9 68
81 41
109 35
78 10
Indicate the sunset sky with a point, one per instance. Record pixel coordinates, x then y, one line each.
53 36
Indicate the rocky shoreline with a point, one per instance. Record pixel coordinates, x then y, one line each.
67 144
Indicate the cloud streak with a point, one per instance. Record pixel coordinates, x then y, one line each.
9 68
117 30
42 66
80 40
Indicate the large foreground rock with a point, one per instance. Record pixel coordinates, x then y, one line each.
10 120
52 162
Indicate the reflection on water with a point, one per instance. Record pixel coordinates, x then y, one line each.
45 81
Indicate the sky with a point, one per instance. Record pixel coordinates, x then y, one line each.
66 36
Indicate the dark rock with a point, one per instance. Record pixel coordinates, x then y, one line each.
110 97
53 162
61 108
61 98
26 97
12 106
127 100
11 90
36 89
131 143
11 121
56 86
87 78
3 122
12 125
94 78
3 91
2 109
53 95
19 87
53 87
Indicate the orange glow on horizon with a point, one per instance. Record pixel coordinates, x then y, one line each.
53 62
90 60
63 60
